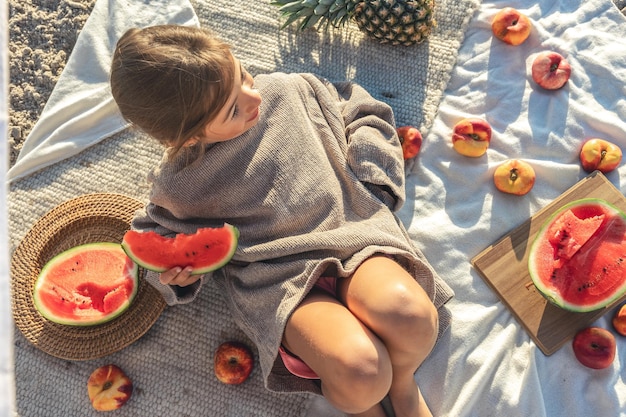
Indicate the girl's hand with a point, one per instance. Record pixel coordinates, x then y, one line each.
178 276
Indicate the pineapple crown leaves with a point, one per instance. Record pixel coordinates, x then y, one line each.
310 13
397 22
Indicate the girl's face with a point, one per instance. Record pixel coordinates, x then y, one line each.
240 113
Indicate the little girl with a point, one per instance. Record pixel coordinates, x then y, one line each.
325 280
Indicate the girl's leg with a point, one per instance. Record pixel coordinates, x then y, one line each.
353 364
384 297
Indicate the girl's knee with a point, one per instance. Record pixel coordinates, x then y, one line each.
405 319
386 297
411 316
363 364
361 376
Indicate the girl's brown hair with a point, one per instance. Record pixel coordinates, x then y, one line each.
170 81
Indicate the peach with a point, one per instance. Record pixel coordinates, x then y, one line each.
109 388
594 347
619 320
550 70
411 140
511 26
601 155
514 177
471 137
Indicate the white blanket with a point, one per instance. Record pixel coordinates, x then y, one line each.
486 365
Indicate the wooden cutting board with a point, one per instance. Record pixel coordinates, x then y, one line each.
503 266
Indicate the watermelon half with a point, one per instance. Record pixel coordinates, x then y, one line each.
86 285
578 258
204 251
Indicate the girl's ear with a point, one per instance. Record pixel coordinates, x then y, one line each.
191 142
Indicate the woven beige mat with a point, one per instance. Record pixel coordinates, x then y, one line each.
171 363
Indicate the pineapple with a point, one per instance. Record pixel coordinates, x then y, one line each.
397 22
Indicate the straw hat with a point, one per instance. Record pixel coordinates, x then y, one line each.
101 217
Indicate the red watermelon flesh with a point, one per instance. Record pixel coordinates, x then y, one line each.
86 285
577 259
569 233
206 250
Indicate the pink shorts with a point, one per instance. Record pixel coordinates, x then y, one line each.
294 364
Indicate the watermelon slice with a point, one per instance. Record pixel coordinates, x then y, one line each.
577 260
204 251
86 285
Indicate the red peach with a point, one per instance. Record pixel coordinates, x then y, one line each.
411 140
550 70
594 347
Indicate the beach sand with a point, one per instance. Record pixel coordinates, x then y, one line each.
42 34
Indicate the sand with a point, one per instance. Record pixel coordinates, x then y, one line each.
42 34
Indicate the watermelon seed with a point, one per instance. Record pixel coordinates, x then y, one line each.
586 285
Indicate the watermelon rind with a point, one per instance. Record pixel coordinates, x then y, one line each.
41 282
134 254
551 293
